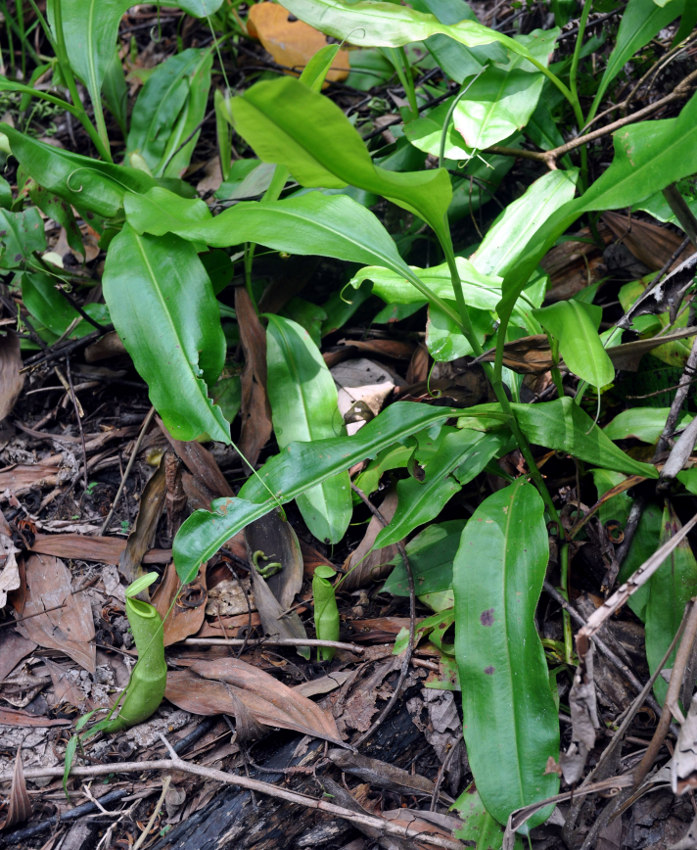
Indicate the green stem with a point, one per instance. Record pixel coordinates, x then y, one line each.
573 85
564 590
493 374
398 58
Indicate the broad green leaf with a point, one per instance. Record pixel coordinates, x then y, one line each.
645 542
431 554
426 134
481 291
21 233
446 342
508 236
286 475
90 30
449 461
509 716
80 180
45 303
562 425
162 305
158 106
304 407
314 223
642 423
287 123
500 101
575 326
182 138
669 589
198 8
640 22
479 829
380 24
648 157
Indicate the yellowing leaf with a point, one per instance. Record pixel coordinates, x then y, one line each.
292 43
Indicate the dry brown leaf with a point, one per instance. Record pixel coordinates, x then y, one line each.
19 809
54 616
276 620
11 379
291 43
255 413
9 571
20 478
364 566
15 717
106 550
64 689
200 463
206 686
275 538
189 610
143 533
652 244
14 648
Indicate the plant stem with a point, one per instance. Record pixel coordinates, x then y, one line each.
493 375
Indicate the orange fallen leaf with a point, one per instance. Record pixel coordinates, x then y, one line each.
292 43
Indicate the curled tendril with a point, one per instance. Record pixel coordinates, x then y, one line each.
70 177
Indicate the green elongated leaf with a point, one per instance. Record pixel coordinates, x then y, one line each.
21 233
376 24
509 716
46 304
449 461
304 407
648 157
446 342
669 590
641 21
501 100
199 8
182 138
325 225
90 29
115 91
297 468
426 133
508 236
642 423
287 123
80 180
168 111
162 305
575 325
431 554
158 105
563 426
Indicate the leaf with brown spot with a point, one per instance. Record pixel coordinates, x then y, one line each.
52 615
